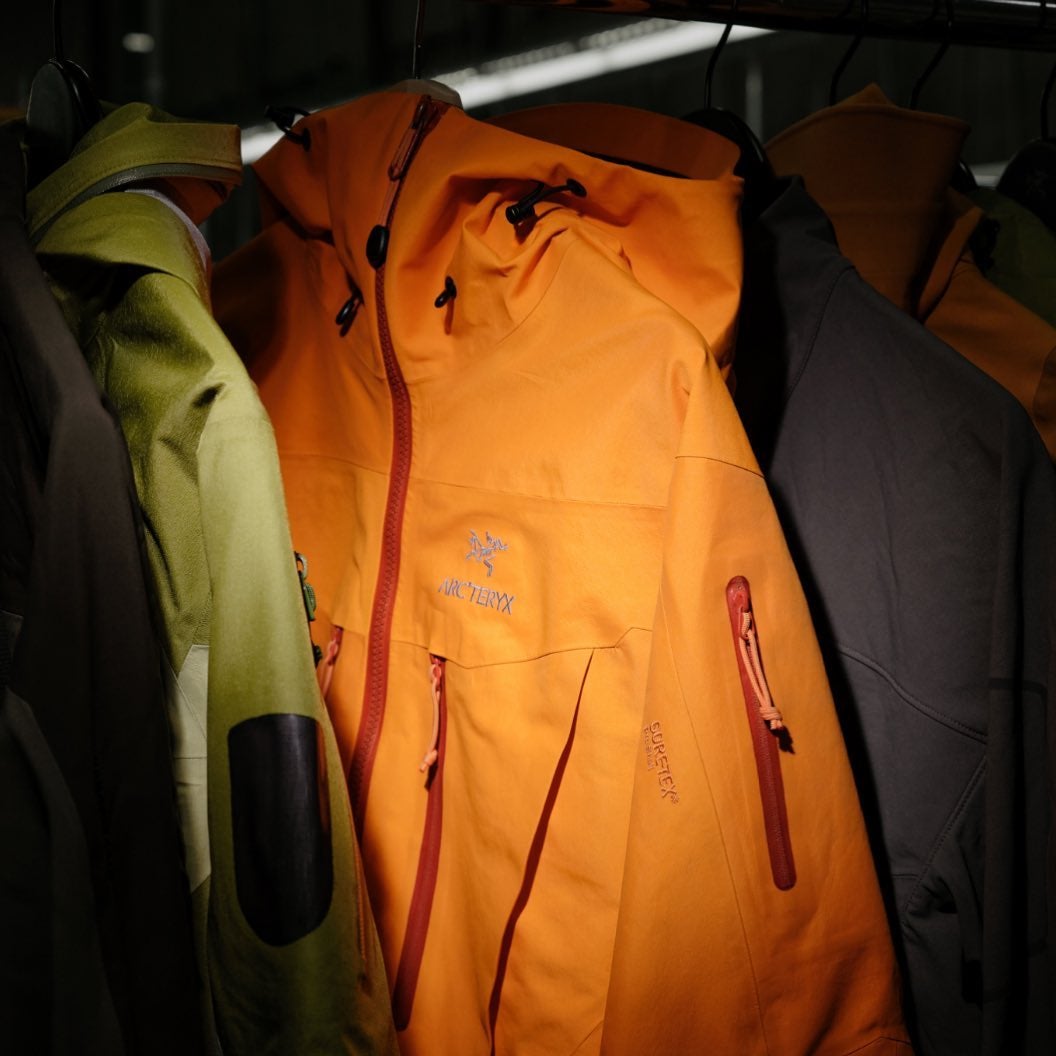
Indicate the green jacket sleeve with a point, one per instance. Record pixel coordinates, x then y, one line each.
293 956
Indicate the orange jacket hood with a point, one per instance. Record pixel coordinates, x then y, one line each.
447 226
882 173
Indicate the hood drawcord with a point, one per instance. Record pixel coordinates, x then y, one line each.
284 117
448 293
525 208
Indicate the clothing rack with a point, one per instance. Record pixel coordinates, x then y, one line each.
1022 24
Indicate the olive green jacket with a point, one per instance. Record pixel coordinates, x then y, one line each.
286 944
1023 259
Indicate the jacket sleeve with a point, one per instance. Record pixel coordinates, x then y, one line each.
751 919
293 954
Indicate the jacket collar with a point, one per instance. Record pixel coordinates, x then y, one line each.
791 265
194 163
882 174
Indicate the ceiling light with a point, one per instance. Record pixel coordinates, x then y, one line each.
639 44
138 43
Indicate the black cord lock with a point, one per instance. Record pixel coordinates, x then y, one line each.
347 314
448 293
525 208
284 118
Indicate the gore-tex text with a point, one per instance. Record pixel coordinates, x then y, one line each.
656 759
475 594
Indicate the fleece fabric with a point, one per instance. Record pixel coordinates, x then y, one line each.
920 507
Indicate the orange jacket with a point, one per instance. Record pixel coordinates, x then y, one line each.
546 563
882 174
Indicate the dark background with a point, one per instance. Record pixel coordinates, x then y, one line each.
226 59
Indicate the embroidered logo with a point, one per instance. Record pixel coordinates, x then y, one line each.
467 590
656 759
473 593
483 552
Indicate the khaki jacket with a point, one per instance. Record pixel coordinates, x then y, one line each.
286 948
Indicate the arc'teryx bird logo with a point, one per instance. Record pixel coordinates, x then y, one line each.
474 593
483 551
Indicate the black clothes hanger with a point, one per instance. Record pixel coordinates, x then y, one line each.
419 35
62 107
963 179
863 22
417 83
1030 177
753 166
918 87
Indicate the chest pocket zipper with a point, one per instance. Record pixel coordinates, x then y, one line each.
766 726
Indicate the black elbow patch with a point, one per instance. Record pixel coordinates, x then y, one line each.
284 869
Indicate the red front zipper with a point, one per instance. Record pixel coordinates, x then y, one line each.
428 855
765 723
426 114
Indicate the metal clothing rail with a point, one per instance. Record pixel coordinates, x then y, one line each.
1025 24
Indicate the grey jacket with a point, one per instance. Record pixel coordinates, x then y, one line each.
920 507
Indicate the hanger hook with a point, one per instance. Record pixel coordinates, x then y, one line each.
1046 95
1046 92
419 33
713 58
56 30
863 22
941 50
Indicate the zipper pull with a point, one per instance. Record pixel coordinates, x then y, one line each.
400 160
739 600
436 688
426 113
750 652
307 590
309 600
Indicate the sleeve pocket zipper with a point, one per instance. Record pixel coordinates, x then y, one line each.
766 726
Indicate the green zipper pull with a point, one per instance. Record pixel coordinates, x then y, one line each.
308 597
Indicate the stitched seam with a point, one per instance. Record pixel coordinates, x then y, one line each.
1024 685
912 701
586 1037
718 823
720 461
817 330
308 456
904 1042
957 811
526 659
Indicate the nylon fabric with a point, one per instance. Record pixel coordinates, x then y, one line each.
1023 257
580 493
129 275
